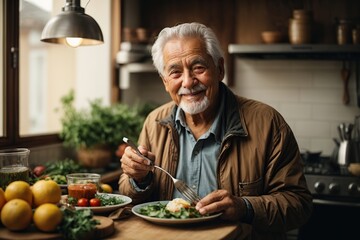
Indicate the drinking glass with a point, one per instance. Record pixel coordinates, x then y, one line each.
14 166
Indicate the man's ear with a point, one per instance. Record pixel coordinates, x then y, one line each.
221 69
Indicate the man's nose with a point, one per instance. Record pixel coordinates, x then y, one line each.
189 80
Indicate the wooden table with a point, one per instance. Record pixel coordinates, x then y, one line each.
136 228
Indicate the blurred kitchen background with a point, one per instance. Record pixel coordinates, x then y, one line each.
307 92
305 78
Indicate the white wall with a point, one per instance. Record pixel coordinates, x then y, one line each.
307 93
94 62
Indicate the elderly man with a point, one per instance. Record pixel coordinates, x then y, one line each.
238 154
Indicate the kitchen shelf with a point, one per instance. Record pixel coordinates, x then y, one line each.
347 52
288 51
127 69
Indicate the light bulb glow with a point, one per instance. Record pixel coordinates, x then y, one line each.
73 41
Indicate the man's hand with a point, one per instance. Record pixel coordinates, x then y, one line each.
135 166
233 208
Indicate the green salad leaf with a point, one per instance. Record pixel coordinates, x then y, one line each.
76 224
159 210
63 167
108 200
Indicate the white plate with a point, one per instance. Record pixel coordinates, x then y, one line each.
102 209
166 221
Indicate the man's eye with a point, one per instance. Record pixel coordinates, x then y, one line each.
175 74
199 69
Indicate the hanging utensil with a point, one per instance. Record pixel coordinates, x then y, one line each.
348 130
345 75
341 131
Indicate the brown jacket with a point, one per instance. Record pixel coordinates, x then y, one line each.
259 159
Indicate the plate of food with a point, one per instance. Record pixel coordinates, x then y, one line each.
101 203
177 211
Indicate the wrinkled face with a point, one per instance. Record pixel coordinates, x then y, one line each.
190 75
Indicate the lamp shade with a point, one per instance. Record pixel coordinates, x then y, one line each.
72 24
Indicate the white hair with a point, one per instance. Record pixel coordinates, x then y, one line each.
186 30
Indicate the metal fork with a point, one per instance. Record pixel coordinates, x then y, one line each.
181 186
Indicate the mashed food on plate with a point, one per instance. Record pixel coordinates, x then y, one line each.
177 208
176 204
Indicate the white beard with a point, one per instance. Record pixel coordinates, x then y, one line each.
195 107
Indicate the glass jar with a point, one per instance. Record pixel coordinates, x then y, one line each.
14 166
82 185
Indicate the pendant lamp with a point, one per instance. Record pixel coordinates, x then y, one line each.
72 27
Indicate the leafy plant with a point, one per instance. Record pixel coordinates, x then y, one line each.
62 167
100 125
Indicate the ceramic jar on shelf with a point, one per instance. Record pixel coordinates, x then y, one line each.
343 33
300 27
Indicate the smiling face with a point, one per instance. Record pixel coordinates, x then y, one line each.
190 75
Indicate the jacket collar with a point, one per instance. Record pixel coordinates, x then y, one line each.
233 119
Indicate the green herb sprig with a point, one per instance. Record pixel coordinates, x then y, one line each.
76 224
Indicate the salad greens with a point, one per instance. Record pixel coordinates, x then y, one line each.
76 224
57 171
159 210
107 200
63 167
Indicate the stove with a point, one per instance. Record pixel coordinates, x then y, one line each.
336 190
331 184
336 201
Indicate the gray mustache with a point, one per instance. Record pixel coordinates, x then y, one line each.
195 89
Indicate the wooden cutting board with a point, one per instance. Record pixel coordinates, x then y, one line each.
104 229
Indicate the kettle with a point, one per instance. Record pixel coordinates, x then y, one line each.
348 150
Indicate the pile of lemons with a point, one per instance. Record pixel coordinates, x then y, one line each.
22 204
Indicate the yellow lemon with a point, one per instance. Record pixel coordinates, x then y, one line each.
18 190
16 215
46 191
2 198
106 188
47 217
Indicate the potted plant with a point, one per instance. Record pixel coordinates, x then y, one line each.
97 132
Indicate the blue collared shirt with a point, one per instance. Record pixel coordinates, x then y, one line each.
198 158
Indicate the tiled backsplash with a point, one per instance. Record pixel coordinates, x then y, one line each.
307 93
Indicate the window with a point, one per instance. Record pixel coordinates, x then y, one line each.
35 75
2 76
39 93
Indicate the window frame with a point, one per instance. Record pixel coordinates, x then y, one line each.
11 136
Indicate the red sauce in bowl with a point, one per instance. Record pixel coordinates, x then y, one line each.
87 190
